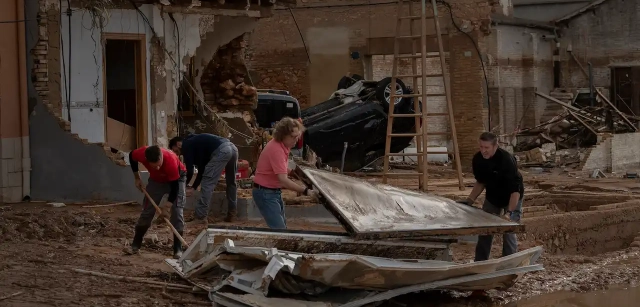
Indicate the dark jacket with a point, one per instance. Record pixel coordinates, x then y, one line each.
500 176
197 150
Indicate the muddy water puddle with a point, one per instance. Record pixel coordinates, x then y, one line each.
620 297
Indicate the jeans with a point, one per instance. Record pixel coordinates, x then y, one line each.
271 206
509 240
224 158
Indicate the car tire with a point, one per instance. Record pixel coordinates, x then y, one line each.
383 94
345 82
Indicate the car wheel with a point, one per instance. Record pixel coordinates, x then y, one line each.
345 82
383 93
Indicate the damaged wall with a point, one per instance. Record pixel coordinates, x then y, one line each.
180 37
520 63
279 59
604 36
81 141
83 66
616 153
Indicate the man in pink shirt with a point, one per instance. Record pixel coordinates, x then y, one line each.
272 173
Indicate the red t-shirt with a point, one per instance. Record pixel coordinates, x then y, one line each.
273 160
170 169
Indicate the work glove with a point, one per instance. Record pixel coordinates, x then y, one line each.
467 202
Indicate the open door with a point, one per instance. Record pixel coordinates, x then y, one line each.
125 91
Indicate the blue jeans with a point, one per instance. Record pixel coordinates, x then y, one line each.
271 206
509 240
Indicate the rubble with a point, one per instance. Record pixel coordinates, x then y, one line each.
379 253
575 126
226 74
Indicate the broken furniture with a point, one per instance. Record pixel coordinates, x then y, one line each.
393 245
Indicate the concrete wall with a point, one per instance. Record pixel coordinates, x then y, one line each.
605 36
616 153
14 133
521 63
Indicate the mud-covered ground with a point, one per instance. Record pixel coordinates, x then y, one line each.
41 245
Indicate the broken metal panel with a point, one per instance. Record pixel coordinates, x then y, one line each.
201 256
369 210
368 273
447 284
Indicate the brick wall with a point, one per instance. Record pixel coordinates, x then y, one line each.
278 54
607 35
382 66
276 44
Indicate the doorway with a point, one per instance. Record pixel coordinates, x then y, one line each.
625 89
125 91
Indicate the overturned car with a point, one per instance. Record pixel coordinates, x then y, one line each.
357 114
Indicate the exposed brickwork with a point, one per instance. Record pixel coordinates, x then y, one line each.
276 42
382 66
467 96
278 52
599 38
46 70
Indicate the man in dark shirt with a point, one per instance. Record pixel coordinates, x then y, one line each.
167 175
496 171
211 154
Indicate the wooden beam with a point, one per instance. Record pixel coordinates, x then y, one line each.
583 123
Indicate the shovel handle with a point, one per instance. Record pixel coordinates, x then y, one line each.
173 229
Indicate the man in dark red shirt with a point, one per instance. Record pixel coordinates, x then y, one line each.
167 175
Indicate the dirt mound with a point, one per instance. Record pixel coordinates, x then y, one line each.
59 225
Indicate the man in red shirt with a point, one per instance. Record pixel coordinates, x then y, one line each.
167 175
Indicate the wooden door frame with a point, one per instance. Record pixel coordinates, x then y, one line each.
142 113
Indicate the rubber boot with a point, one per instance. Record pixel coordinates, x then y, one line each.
177 246
138 235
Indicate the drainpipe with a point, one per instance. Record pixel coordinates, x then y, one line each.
24 116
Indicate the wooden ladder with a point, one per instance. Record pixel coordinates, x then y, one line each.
421 114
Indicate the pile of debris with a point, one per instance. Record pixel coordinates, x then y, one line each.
226 75
371 262
548 156
579 124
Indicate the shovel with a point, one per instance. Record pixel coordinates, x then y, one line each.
173 229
